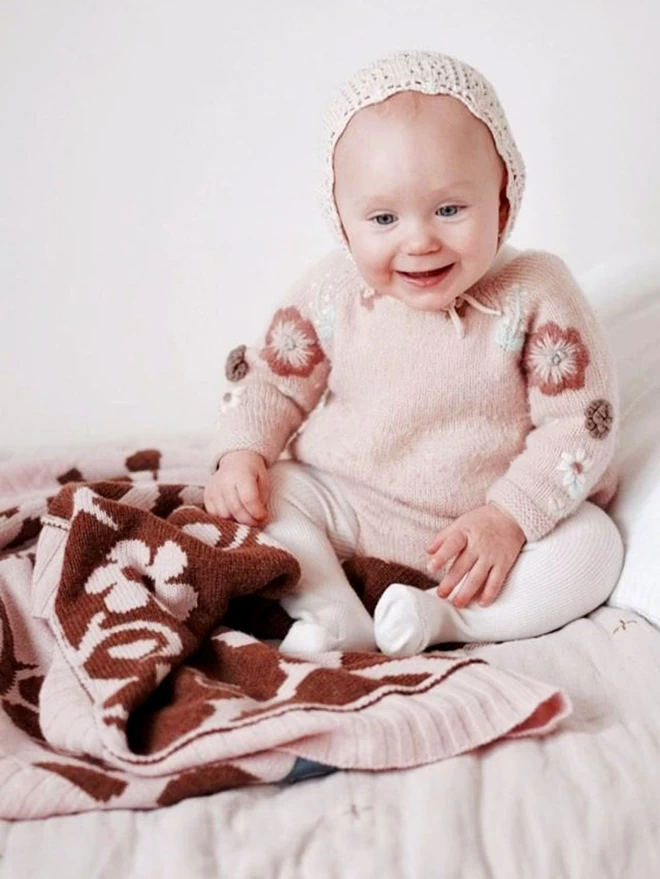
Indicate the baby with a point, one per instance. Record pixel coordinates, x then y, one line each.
446 402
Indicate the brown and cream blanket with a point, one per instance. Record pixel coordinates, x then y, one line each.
138 651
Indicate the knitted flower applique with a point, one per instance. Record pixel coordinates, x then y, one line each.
292 346
231 399
556 359
574 467
598 418
236 366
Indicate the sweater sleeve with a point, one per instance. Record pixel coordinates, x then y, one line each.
275 384
573 404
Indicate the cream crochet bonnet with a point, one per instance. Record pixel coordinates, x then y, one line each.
433 74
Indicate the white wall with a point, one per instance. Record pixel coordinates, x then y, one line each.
157 193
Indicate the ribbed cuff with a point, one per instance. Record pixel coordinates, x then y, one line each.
533 521
269 450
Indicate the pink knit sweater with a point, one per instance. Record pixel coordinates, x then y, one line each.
510 397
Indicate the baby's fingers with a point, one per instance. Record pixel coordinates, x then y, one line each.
214 502
472 584
435 545
236 509
451 546
264 486
461 566
249 494
493 587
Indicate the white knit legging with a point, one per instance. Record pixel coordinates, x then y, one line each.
559 578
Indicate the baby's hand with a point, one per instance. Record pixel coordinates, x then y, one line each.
484 542
239 488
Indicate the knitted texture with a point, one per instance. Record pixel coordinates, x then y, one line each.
520 409
433 74
125 682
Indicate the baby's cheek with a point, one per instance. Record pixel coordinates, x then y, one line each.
374 270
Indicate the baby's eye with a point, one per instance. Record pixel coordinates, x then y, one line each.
448 210
383 219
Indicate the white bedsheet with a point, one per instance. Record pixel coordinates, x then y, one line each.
584 802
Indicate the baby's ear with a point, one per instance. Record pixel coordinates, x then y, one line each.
505 207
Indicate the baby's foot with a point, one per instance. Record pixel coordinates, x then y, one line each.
400 620
305 639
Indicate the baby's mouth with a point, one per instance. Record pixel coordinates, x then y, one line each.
430 274
428 277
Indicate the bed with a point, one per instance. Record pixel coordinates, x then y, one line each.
580 801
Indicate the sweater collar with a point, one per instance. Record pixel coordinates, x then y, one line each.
505 255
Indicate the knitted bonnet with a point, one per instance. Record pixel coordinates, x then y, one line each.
433 74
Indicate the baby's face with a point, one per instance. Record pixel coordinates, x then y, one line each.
419 188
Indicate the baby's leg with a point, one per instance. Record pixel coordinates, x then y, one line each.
318 527
559 578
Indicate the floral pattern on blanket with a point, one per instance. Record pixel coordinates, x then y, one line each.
132 667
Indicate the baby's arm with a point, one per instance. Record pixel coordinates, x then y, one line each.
272 388
574 407
573 403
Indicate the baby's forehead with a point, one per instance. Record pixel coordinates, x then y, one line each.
439 116
405 117
412 107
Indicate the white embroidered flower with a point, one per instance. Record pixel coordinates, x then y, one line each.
574 467
122 578
510 334
231 399
322 309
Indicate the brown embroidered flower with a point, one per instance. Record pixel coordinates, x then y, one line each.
598 418
292 346
556 359
236 366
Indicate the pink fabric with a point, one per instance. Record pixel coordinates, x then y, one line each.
514 400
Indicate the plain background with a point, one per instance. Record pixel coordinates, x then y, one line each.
159 165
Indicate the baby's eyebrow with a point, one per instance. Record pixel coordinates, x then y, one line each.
369 201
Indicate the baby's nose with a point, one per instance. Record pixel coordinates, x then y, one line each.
421 245
422 239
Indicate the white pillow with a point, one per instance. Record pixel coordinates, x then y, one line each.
626 296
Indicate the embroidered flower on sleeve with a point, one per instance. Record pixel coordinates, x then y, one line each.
556 359
236 366
511 325
231 399
598 418
292 346
322 307
574 467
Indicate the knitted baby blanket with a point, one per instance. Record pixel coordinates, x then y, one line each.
135 665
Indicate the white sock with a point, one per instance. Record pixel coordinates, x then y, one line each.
306 639
407 620
326 625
